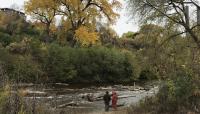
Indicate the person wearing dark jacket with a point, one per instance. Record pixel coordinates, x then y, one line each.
107 99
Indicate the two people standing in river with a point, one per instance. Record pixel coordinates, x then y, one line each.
107 99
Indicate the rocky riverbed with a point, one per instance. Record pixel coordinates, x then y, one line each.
63 97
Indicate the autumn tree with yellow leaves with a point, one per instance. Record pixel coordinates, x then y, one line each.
77 15
43 11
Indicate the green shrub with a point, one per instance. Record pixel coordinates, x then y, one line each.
24 69
147 75
5 39
177 92
33 61
96 64
20 68
176 96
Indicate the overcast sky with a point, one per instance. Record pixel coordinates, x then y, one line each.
124 23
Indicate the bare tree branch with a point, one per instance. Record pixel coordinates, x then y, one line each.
171 37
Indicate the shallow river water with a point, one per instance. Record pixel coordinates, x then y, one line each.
62 97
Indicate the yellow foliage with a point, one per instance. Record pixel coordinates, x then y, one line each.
41 7
65 24
77 15
85 37
90 11
44 11
82 16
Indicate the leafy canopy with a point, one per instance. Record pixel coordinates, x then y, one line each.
167 11
75 14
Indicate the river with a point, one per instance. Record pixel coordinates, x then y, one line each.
63 97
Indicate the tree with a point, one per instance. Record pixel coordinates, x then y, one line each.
44 11
79 14
150 34
84 36
174 11
108 35
14 27
12 24
76 14
86 12
129 34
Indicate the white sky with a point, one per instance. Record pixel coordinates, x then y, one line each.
124 24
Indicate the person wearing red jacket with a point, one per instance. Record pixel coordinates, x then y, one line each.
114 100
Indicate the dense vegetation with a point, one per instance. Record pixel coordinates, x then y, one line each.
179 91
82 50
33 62
96 64
26 58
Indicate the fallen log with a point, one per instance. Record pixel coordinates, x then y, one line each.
68 104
